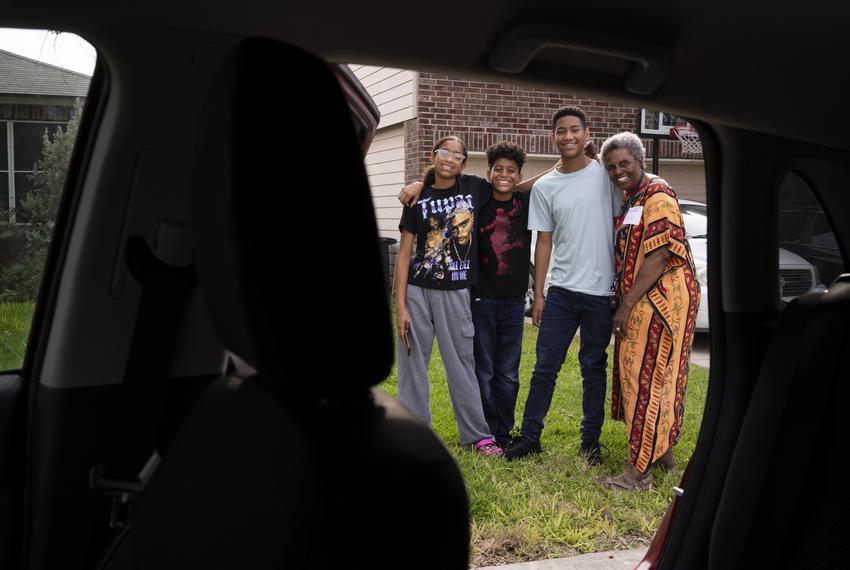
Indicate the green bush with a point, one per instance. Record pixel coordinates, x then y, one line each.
21 262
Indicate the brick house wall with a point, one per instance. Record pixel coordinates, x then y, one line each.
483 113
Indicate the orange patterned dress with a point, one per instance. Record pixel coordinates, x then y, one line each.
651 362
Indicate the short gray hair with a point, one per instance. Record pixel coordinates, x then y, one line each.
629 141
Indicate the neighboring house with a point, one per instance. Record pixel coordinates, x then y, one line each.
417 109
34 97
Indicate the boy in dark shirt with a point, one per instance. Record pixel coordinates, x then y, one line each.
498 299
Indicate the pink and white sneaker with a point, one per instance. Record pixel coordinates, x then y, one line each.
488 448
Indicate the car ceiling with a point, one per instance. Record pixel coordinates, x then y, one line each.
722 53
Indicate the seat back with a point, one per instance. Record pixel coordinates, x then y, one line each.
303 465
780 506
286 243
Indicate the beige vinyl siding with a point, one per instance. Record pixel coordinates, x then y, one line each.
393 90
385 167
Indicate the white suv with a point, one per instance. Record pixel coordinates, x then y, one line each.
796 275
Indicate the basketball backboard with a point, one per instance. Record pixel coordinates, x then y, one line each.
652 123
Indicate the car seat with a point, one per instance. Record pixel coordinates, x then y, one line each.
781 505
305 464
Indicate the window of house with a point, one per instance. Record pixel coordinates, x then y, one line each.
4 166
25 144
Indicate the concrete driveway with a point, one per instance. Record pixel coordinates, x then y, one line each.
700 354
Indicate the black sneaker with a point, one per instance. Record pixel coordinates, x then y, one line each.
593 452
521 447
504 442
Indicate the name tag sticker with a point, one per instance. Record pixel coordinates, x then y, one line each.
633 216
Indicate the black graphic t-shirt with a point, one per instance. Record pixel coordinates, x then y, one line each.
445 225
505 248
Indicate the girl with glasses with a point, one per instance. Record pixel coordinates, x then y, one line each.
432 292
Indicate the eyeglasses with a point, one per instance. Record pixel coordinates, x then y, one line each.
446 153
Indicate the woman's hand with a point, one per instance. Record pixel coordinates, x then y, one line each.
403 324
646 278
620 320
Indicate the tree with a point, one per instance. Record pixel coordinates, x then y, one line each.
42 203
24 244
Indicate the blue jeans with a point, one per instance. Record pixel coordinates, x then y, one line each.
498 346
564 312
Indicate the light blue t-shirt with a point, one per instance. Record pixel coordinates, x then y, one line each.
578 208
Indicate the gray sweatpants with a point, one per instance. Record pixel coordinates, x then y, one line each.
447 315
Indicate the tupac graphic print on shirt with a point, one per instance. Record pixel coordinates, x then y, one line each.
444 223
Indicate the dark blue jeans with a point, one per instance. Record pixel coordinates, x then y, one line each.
564 312
498 346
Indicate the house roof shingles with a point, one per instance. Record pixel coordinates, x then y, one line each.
21 75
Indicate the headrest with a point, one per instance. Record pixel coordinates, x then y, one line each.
287 248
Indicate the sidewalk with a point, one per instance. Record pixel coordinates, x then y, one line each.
611 560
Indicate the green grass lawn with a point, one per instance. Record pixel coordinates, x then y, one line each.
15 321
545 506
550 505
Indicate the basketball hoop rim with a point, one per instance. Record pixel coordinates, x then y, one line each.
682 129
689 137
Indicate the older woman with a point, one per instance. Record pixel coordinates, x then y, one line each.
658 296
